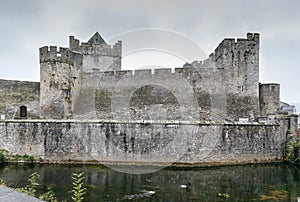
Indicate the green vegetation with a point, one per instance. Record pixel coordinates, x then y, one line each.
78 189
48 196
291 154
30 188
224 195
5 156
25 158
31 158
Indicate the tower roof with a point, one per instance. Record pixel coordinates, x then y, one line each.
96 39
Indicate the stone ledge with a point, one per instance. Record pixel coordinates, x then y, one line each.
155 122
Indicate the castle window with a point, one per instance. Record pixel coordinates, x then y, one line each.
23 112
65 93
96 58
52 68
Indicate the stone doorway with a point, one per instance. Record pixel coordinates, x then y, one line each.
23 112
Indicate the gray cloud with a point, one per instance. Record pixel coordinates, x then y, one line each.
27 25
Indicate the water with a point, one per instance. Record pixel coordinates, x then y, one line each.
230 183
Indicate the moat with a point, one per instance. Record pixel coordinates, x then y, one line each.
229 183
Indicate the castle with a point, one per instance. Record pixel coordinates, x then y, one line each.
86 109
80 82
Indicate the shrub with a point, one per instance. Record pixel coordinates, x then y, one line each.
30 188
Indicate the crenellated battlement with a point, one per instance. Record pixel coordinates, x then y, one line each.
64 55
102 49
95 46
253 37
184 71
73 44
225 48
228 47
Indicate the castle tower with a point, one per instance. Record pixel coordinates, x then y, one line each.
269 97
60 72
97 54
239 62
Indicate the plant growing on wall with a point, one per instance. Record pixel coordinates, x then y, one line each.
291 153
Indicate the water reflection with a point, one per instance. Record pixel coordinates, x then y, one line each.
232 183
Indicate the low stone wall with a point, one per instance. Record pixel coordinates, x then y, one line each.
144 142
14 94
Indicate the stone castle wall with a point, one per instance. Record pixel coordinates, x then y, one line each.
225 86
144 142
14 94
182 95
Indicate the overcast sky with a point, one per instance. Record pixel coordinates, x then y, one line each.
27 25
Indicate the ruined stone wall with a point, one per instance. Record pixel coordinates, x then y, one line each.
144 142
14 94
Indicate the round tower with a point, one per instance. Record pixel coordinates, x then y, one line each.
269 98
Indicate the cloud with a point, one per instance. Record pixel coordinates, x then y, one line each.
27 25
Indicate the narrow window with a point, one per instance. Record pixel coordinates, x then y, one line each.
52 67
23 112
65 93
241 88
